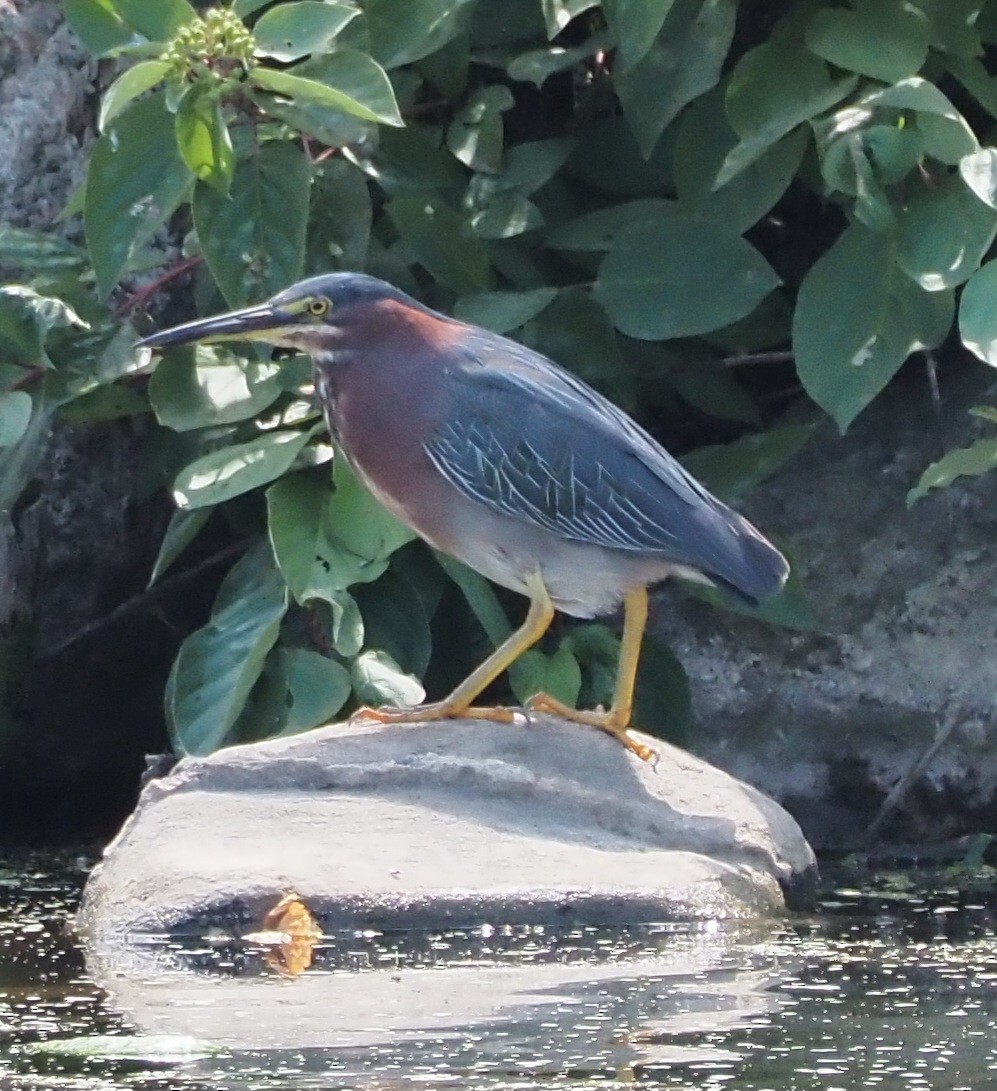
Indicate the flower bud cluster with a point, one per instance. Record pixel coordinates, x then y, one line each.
220 36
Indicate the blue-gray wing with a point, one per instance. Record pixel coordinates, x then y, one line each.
532 442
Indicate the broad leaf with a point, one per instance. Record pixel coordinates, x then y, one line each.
441 241
704 140
183 528
135 181
365 528
158 21
683 63
290 31
731 469
502 312
944 232
762 110
635 25
857 318
979 172
395 621
558 13
254 238
317 688
97 24
361 79
557 674
885 39
506 217
209 385
947 135
231 471
475 136
402 33
134 81
27 318
340 221
38 253
378 680
598 230
218 665
679 277
15 414
978 314
307 90
203 137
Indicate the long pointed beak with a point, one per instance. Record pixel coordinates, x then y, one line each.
249 324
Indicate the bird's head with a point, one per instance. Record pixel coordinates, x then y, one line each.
310 315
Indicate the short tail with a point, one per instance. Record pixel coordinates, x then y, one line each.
756 570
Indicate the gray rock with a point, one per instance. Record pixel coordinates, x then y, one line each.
828 721
458 823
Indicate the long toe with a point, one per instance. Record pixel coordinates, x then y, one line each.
611 722
440 710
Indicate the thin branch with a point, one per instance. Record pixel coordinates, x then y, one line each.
145 600
775 356
30 376
899 791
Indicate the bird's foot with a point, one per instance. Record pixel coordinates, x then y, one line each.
611 722
438 710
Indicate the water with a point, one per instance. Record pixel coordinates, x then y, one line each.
888 988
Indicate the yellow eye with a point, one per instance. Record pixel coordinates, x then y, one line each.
318 306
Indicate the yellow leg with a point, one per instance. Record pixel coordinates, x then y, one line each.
616 721
538 619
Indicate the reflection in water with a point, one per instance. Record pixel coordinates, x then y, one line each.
874 993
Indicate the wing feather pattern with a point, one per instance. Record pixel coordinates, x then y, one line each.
531 441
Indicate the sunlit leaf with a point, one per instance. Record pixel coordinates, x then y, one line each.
290 31
378 680
978 314
231 471
134 81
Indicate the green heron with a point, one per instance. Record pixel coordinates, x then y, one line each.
497 456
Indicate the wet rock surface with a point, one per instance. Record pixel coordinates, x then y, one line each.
455 823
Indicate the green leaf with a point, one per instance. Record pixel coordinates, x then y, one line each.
129 85
183 528
254 239
290 31
340 222
395 621
978 314
97 24
203 137
231 471
475 136
635 25
944 233
27 318
537 65
135 181
731 469
480 597
412 159
502 312
209 385
979 172
557 674
158 21
402 33
947 135
38 253
317 686
680 277
506 217
378 680
885 39
683 63
15 414
364 526
442 242
558 13
762 110
598 230
978 458
313 559
712 389
360 79
243 8
858 317
300 89
703 142
607 156
218 665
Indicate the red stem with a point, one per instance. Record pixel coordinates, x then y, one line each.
147 291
